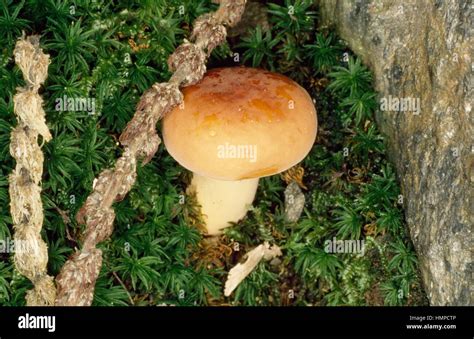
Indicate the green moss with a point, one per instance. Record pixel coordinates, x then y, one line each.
157 254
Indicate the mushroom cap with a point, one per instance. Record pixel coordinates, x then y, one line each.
241 123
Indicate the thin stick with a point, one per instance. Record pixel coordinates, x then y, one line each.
124 287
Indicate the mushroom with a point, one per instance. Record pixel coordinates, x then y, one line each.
237 125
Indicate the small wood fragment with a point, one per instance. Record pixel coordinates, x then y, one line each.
240 271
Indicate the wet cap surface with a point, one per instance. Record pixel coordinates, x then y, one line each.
241 123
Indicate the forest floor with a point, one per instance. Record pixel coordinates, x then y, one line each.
158 253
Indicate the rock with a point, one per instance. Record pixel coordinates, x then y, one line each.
294 202
255 14
423 50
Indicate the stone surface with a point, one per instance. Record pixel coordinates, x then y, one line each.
294 202
255 14
423 50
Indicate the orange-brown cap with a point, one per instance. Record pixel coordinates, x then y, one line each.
240 123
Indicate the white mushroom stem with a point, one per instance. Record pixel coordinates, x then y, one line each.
223 201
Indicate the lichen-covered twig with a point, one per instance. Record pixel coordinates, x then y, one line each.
31 254
77 278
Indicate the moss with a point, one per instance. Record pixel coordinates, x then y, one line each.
157 254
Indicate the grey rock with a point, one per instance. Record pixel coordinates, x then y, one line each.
255 14
424 49
294 202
